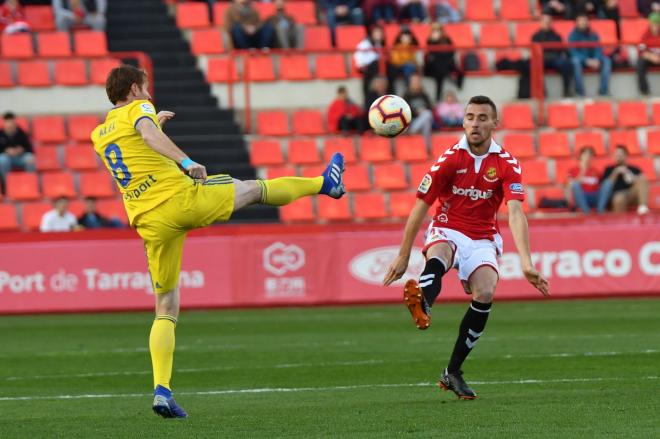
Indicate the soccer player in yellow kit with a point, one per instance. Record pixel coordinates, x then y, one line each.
163 203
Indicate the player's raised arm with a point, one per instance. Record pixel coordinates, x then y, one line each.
159 142
520 232
400 264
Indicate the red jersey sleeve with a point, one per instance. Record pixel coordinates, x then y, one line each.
437 178
512 182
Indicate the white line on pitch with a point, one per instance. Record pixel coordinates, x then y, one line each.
315 389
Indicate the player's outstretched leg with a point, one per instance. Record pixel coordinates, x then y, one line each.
284 190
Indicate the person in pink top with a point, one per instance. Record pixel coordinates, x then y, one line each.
449 111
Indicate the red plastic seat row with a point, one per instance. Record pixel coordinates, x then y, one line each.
86 43
24 186
71 72
77 158
51 129
599 114
304 122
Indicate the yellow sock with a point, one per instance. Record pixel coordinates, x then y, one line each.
161 346
284 190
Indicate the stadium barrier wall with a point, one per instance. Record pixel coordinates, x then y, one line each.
276 265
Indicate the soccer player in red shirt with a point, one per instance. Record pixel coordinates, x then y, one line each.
469 180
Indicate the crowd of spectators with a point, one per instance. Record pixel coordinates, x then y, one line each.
68 14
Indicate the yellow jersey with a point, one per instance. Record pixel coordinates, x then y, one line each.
144 177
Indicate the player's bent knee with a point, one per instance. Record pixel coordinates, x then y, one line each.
246 193
483 296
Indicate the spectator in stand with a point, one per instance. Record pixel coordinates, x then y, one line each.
607 9
558 8
592 57
378 87
341 12
421 106
625 183
286 29
59 219
646 7
403 55
449 111
649 52
380 11
344 115
367 56
584 184
554 59
70 13
91 219
445 12
247 31
12 18
440 64
413 10
15 147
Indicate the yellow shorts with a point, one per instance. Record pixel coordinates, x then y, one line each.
163 229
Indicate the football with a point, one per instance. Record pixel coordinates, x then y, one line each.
389 115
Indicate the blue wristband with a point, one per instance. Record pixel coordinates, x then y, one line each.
187 162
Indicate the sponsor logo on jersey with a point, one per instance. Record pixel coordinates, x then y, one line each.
491 175
147 108
425 185
141 189
462 171
443 218
472 193
517 188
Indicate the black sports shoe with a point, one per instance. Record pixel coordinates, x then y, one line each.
456 383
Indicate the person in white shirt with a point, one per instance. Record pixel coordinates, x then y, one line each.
367 56
59 219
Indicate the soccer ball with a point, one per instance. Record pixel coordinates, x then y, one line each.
389 115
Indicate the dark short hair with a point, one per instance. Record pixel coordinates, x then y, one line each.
622 147
483 100
9 115
587 148
581 14
342 89
120 80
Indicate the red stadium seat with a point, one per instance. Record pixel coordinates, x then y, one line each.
369 206
34 74
90 43
308 122
606 30
303 12
206 42
8 219
54 44
259 68
317 38
401 203
479 10
6 75
80 158
524 32
16 45
48 129
58 184
273 123
40 18
221 70
517 117
71 72
442 142
112 209
562 166
633 30
520 145
97 184
77 207
303 152
356 178
510 54
628 8
556 193
515 10
410 149
331 66
375 149
598 114
589 138
554 144
301 210
627 138
32 214
655 116
333 210
654 197
266 153
632 114
22 186
563 116
311 171
535 172
280 171
294 68
647 166
100 68
81 126
192 15
421 32
417 173
391 31
219 11
390 176
653 141
494 34
265 10
460 34
344 145
46 159
348 37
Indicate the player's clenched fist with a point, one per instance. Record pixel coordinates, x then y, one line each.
396 270
194 169
164 116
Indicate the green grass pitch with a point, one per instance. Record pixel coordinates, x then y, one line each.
542 369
